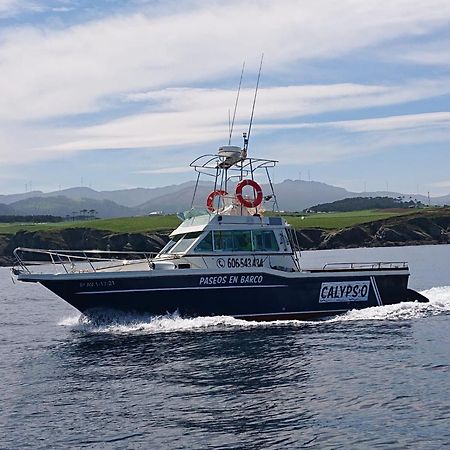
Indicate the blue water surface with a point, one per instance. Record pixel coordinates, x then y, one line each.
376 378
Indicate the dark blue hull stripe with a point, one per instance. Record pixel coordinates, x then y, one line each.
194 288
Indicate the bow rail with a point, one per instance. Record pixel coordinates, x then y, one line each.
77 261
379 265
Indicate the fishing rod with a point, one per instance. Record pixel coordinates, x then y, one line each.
247 135
235 105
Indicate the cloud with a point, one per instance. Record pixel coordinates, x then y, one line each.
432 120
9 8
192 116
435 53
164 170
76 70
441 184
133 75
337 140
185 117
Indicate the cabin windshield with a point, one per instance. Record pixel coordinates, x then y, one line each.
183 242
170 244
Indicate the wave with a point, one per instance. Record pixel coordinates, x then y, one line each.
119 323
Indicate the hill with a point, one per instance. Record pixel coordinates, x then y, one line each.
177 200
296 195
63 206
292 195
364 203
125 197
138 197
11 198
6 210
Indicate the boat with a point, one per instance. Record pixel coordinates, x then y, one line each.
234 255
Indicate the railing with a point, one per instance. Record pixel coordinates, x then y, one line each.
72 261
209 164
380 265
224 173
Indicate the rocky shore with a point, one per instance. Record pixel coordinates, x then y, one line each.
414 229
80 239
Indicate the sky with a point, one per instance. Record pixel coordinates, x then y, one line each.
119 94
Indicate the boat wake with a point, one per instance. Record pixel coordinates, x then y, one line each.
115 322
439 304
119 323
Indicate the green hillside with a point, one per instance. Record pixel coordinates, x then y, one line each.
335 220
139 224
143 224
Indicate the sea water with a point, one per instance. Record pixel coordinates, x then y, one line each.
374 378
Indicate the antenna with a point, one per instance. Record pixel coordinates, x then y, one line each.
247 137
235 105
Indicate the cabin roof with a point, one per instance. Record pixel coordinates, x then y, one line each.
218 221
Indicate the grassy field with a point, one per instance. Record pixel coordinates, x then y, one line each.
343 219
120 225
161 223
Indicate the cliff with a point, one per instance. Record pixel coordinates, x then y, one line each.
80 239
415 229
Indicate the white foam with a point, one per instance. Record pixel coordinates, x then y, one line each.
439 304
116 323
124 323
70 321
439 296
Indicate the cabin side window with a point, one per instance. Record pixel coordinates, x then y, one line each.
235 241
232 241
264 241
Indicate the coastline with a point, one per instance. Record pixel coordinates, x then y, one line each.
416 229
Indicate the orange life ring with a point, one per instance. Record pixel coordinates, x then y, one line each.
212 196
245 201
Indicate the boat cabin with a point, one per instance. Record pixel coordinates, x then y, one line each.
224 242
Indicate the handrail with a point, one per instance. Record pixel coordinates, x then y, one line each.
209 162
90 257
56 251
369 265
